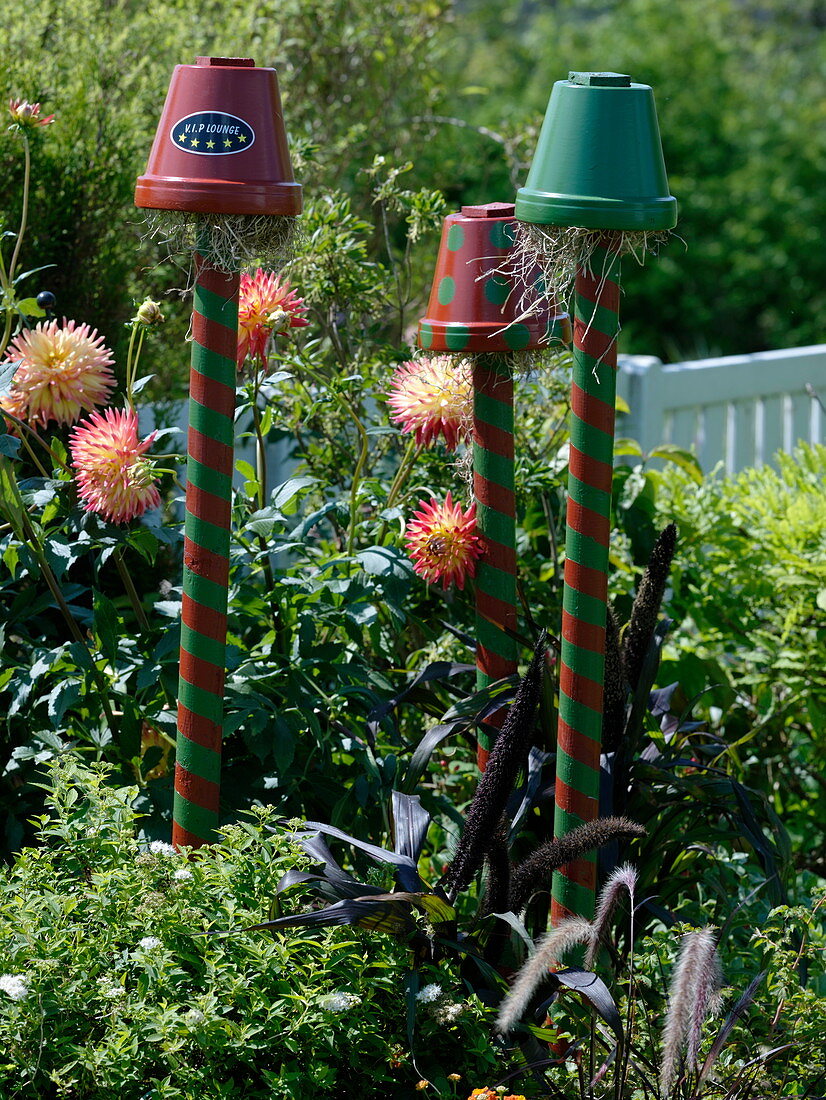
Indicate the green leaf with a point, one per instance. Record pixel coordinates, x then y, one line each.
670 452
9 446
107 624
283 494
29 308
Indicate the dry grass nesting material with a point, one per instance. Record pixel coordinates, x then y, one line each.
559 251
231 241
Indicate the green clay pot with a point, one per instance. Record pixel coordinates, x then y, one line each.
599 161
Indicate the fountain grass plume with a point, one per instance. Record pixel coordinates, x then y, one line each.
693 993
646 609
613 710
508 755
567 934
497 889
623 878
537 870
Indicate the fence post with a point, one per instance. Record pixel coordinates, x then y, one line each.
639 382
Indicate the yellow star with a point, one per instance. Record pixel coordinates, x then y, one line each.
210 145
227 143
194 143
242 137
181 137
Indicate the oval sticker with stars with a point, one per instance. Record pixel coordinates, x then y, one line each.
212 134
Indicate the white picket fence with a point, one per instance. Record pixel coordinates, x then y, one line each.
737 410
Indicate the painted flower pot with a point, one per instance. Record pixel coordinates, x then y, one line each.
476 308
221 145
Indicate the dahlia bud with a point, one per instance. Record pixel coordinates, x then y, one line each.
149 314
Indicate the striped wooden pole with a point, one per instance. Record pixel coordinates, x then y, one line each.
206 554
493 487
585 593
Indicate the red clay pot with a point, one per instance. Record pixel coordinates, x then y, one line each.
221 146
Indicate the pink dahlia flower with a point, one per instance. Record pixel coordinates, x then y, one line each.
113 478
432 397
265 306
443 543
27 114
64 369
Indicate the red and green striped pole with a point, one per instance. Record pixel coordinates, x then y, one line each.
585 593
493 487
206 554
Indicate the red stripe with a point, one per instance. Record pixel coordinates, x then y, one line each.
592 410
582 634
590 582
575 802
212 567
502 557
202 674
491 438
223 283
482 756
211 394
496 611
202 731
493 383
183 838
204 620
208 506
201 792
596 288
209 452
601 346
494 665
580 689
214 335
579 747
494 496
588 522
589 470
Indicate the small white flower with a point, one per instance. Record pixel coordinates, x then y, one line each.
110 988
430 993
339 1002
449 1014
194 1016
14 986
182 873
161 848
149 942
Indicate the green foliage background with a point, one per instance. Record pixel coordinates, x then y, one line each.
459 90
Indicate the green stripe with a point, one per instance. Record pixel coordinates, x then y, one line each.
604 264
491 411
582 719
201 823
200 702
495 582
583 661
199 645
223 311
592 441
211 481
584 607
586 551
589 496
200 761
493 467
495 525
578 899
213 365
211 423
581 778
207 535
203 591
497 641
596 317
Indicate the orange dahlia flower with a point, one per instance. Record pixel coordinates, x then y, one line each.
265 306
443 543
113 478
432 397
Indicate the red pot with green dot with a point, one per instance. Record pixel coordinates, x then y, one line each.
477 309
474 307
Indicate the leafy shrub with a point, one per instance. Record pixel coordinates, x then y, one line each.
110 988
749 605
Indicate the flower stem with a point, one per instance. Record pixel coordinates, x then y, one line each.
24 218
408 461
